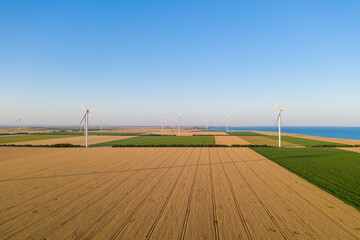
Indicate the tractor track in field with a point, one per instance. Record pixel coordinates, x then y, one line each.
318 235
119 200
41 195
188 207
321 211
138 206
273 219
62 206
157 219
213 201
238 208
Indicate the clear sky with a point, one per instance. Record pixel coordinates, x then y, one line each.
138 59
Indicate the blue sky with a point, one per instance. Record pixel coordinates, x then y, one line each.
138 59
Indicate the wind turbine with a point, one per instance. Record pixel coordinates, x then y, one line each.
86 118
179 119
101 123
19 121
162 122
278 120
46 123
227 122
207 124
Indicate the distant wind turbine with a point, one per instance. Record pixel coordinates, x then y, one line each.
179 120
86 118
227 120
278 120
101 123
207 124
162 122
19 122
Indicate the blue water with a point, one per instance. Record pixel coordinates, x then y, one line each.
335 132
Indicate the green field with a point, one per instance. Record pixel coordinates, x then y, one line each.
163 140
244 134
334 170
304 142
28 137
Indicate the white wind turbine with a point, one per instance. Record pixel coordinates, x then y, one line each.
101 123
227 120
19 121
207 124
86 118
46 123
162 122
278 120
179 120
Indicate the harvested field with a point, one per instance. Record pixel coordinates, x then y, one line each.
75 140
162 193
352 149
264 140
29 138
230 140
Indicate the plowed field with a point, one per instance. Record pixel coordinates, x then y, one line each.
162 193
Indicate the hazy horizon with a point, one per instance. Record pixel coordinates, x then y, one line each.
138 60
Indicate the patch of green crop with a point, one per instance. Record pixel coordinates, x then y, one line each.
28 137
244 134
334 170
304 141
81 133
163 140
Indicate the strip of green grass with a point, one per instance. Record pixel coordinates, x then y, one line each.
162 140
245 134
304 141
25 138
334 170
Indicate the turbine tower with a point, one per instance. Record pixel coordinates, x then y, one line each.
278 120
207 124
227 122
101 123
19 121
46 123
179 119
162 122
86 118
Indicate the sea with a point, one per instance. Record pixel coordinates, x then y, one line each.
334 132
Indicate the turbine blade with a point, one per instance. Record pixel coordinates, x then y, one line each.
82 120
96 110
81 103
277 107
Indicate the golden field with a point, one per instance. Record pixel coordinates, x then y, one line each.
162 193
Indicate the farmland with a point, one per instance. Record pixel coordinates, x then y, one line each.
264 140
26 138
303 141
163 140
97 133
162 193
336 171
230 140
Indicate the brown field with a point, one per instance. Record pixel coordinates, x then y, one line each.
162 193
75 140
260 140
352 149
230 140
185 132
